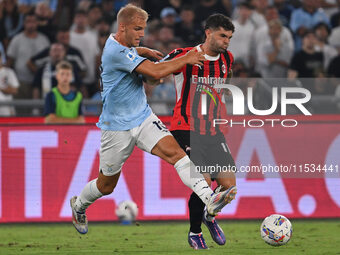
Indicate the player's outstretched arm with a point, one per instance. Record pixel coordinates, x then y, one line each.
162 69
149 53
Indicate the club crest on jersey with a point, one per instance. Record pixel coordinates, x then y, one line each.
224 69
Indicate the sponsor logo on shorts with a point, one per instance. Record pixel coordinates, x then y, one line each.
109 168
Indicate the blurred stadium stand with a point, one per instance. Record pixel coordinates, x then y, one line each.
174 24
319 104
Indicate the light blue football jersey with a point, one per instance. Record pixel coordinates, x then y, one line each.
123 94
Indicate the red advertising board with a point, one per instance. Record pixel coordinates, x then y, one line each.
42 166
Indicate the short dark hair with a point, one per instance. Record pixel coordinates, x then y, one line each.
30 13
94 5
218 20
104 19
187 8
308 32
63 29
80 12
246 5
322 24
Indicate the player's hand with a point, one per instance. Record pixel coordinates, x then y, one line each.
151 54
155 54
195 58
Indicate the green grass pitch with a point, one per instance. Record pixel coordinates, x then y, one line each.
243 237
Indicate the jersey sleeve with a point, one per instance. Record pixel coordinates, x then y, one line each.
176 53
12 50
295 63
77 58
37 79
49 104
13 80
127 59
41 58
295 20
80 109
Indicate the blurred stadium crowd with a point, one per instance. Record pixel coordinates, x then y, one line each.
272 39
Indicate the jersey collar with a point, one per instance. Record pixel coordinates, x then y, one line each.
112 37
207 57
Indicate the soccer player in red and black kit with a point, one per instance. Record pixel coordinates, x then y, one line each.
192 123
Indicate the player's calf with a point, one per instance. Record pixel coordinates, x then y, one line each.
106 184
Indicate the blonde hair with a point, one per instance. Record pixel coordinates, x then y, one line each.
64 65
130 11
275 22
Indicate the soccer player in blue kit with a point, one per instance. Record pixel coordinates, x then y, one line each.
128 121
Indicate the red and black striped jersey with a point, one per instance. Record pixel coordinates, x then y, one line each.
197 102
